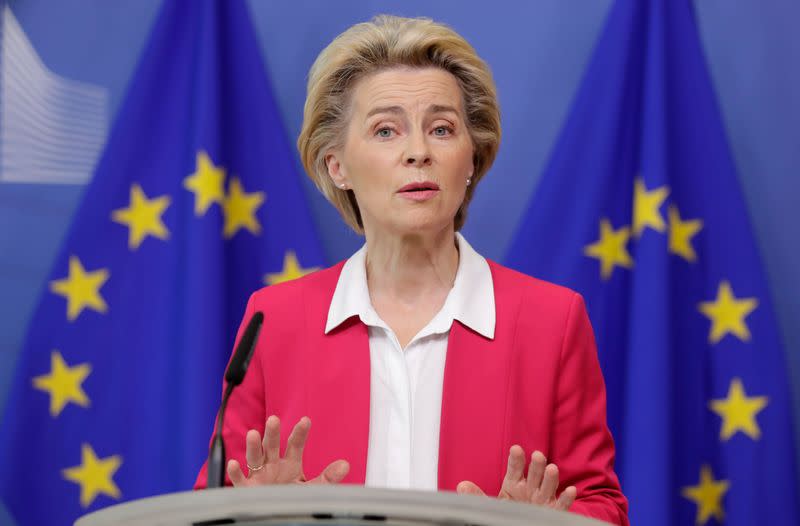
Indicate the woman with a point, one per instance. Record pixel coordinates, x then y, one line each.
420 363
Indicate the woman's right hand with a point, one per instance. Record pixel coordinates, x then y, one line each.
266 466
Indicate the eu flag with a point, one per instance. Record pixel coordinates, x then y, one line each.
640 211
195 203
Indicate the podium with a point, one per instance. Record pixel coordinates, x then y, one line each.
296 505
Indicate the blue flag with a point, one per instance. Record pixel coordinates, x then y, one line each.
195 203
640 211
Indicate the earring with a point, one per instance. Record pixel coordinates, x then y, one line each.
341 186
469 181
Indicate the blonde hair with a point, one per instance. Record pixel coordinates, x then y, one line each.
382 43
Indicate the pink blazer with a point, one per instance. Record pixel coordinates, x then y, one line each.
537 384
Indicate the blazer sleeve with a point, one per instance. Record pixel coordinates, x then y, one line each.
245 409
582 446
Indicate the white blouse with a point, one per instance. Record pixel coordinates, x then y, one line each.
406 384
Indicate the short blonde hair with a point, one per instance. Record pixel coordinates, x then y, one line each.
382 43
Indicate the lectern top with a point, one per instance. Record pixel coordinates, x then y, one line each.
331 505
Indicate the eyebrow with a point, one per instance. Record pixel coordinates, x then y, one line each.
436 108
385 109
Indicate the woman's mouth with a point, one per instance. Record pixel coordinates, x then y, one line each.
419 191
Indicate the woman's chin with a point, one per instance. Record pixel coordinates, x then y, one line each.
420 225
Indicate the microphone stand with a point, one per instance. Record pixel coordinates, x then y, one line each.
233 376
216 455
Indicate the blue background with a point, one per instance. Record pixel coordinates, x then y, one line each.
537 51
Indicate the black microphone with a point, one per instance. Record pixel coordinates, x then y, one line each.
233 376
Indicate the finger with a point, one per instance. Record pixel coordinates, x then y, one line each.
515 472
253 452
536 471
297 440
235 473
466 487
272 439
567 498
547 491
333 474
516 464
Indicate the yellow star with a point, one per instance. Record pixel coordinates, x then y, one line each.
94 475
681 233
707 495
142 217
81 288
63 383
727 314
207 183
240 209
738 412
291 270
610 248
645 207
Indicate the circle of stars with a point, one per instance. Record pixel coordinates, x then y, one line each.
81 288
726 313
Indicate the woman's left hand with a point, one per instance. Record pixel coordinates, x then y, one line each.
538 488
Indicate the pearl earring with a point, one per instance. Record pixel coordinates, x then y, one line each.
341 186
469 181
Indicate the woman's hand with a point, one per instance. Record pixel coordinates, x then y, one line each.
266 465
539 487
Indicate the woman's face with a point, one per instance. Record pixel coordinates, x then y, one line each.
407 152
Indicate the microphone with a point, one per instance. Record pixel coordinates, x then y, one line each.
233 376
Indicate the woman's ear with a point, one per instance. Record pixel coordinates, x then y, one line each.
335 170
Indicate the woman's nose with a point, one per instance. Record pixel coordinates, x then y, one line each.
418 159
417 153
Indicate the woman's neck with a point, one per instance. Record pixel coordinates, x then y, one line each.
411 268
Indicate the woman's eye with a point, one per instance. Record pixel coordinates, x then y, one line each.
384 133
442 131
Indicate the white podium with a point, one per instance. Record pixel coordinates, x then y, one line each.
331 505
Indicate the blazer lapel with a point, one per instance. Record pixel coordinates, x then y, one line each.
472 434
334 369
337 379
